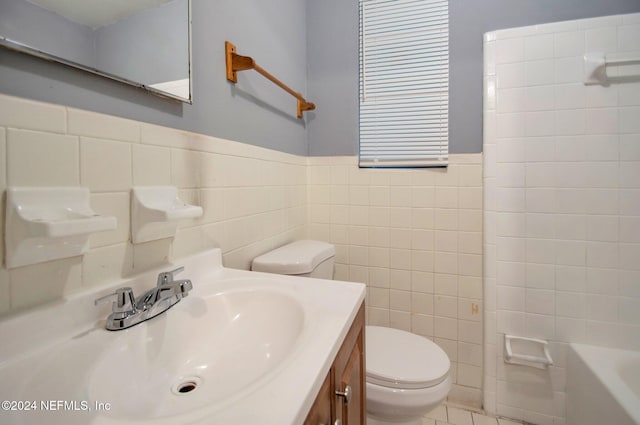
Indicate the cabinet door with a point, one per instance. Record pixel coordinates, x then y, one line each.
320 413
350 376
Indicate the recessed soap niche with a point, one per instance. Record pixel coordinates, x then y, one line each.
49 223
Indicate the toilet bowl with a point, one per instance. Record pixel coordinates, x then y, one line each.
407 374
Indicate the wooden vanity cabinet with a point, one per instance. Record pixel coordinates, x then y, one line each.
342 397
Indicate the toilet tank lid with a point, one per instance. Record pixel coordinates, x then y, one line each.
295 258
400 359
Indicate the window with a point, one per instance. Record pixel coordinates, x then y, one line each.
404 83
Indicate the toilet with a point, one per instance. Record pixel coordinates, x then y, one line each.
407 374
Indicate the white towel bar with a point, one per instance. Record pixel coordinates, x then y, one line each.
595 66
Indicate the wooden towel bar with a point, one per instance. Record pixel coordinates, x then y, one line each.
237 63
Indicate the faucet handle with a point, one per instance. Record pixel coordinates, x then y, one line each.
125 301
167 277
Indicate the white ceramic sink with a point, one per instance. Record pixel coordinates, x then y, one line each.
211 349
231 353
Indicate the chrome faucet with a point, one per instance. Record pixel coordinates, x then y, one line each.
128 311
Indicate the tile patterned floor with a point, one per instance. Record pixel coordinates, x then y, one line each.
451 415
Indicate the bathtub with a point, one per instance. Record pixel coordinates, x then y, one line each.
603 386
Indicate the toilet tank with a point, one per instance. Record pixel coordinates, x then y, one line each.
301 258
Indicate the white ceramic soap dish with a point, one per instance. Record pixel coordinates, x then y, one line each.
155 211
48 223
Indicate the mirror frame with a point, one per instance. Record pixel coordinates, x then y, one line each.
23 48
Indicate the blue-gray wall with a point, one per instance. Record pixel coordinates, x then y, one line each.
311 45
254 111
333 62
151 46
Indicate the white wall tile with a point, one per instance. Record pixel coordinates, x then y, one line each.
628 120
511 150
19 113
569 70
539 47
446 306
629 202
114 204
62 277
42 159
105 165
101 266
85 123
630 96
509 50
151 165
602 281
598 96
570 96
539 301
539 98
570 304
511 100
510 75
540 175
445 327
603 228
470 331
602 121
602 39
568 122
511 273
538 72
629 229
602 254
469 375
540 276
629 256
541 200
511 298
569 44
540 149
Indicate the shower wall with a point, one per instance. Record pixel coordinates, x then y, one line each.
562 205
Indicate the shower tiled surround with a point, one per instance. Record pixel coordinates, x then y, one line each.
254 199
562 205
415 238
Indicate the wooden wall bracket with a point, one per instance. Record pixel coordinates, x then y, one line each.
236 62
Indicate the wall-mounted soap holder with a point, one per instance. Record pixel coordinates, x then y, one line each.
527 352
155 211
48 223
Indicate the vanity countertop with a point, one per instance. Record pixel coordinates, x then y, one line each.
243 347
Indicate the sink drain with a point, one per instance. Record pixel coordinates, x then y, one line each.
186 385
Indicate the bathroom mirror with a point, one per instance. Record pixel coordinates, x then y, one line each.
145 43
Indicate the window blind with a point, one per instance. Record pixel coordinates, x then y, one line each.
404 83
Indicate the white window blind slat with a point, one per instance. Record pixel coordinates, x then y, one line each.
404 83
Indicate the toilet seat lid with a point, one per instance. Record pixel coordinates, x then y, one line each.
298 257
400 359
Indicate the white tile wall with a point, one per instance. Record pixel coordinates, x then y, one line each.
562 207
415 238
254 199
